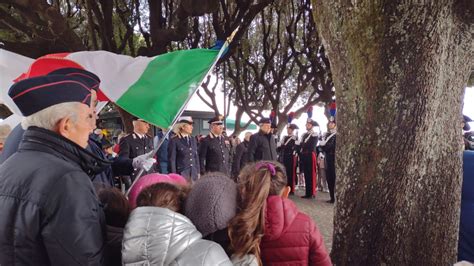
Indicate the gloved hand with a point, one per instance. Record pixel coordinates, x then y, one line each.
144 161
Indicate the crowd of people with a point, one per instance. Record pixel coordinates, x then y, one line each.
60 206
207 205
312 156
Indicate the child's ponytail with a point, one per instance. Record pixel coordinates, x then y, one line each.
256 183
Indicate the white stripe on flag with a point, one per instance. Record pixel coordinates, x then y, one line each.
116 72
11 66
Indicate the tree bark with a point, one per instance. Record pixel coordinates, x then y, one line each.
399 69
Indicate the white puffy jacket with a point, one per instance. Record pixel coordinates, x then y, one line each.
159 236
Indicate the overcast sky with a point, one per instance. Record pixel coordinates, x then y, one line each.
318 112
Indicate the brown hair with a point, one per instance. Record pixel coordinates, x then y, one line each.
256 182
165 195
116 206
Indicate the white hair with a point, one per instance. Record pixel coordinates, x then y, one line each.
48 118
178 127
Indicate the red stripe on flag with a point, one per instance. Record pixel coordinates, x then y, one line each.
101 96
46 64
51 62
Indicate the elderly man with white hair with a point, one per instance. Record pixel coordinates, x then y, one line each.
50 212
262 146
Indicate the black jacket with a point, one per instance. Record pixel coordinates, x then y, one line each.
309 142
240 158
132 146
120 166
214 155
287 148
330 147
262 147
183 156
113 246
50 214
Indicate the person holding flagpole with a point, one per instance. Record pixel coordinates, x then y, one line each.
134 145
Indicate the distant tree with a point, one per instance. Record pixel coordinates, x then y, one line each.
135 27
399 69
281 63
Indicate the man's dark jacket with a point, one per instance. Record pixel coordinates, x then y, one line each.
262 147
240 158
120 166
132 146
50 214
214 155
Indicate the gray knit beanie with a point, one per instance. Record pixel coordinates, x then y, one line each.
212 203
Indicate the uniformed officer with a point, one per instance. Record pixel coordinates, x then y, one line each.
136 144
213 153
262 144
182 150
308 160
328 146
287 151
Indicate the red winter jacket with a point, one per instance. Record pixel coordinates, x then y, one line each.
291 237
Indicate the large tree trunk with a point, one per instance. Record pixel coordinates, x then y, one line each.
399 72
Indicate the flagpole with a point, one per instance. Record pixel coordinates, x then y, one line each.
183 107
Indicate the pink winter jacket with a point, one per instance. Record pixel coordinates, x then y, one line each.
291 237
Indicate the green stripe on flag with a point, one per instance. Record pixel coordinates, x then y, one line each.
162 89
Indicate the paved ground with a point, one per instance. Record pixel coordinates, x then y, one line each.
321 212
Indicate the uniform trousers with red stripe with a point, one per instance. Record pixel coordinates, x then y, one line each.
290 165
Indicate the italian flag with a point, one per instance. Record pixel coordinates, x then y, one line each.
153 88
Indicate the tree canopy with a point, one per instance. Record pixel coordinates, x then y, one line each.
275 61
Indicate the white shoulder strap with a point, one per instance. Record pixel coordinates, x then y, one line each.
330 136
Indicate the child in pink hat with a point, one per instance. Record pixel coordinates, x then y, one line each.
151 179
